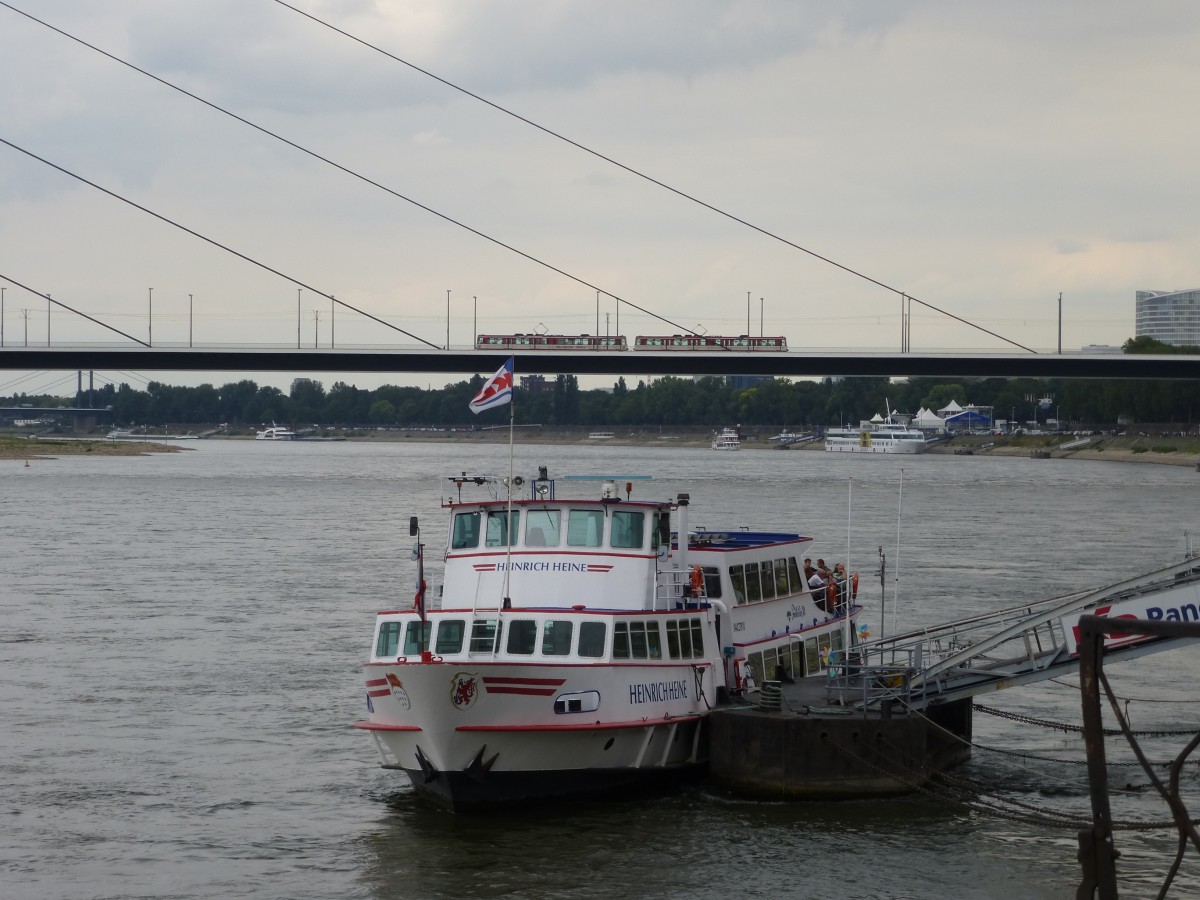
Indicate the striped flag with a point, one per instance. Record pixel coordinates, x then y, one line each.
496 391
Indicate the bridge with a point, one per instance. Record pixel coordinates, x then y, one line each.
459 361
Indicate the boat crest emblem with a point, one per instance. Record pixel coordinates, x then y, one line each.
396 686
464 689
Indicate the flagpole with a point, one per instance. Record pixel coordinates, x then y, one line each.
512 407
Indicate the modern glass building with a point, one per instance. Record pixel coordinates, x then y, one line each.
1172 317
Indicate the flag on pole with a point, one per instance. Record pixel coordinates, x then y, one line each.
419 599
496 391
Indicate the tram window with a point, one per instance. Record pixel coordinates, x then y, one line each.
591 639
585 528
485 636
712 582
541 527
753 587
737 577
621 640
389 639
628 529
466 531
767 580
522 637
798 583
697 639
416 638
781 577
556 637
500 526
450 635
653 641
637 640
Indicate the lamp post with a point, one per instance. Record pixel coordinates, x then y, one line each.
2 290
189 320
447 318
149 320
298 290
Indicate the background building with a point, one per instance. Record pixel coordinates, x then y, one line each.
1172 317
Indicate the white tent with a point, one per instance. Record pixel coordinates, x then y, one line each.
950 409
928 421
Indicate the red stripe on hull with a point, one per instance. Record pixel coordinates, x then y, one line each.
582 726
379 693
534 692
496 679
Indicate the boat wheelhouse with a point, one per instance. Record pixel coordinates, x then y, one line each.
580 643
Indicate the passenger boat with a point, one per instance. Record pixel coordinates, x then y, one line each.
580 644
275 433
727 439
877 435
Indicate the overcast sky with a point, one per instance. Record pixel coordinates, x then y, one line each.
983 157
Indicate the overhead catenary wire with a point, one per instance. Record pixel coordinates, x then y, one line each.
341 168
639 174
212 241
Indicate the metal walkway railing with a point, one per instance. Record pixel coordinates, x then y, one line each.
1019 645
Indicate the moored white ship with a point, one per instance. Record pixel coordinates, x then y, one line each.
581 643
877 435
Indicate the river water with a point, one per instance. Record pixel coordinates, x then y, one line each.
180 639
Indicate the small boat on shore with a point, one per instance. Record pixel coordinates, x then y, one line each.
727 439
581 643
275 433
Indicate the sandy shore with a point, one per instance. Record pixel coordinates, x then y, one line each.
43 449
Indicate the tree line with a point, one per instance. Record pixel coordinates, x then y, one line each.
709 402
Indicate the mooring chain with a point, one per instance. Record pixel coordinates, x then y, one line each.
1071 762
1076 729
973 797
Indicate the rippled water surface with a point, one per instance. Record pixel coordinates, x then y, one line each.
179 666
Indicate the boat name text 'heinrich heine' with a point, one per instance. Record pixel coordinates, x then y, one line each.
658 691
541 566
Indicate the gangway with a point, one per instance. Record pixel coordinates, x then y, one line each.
1019 645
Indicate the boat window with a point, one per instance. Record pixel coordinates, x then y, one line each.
661 531
556 637
737 577
541 527
753 586
585 528
781 577
712 582
522 636
812 657
679 640
498 528
450 635
799 585
389 639
416 638
637 640
767 583
653 641
591 639
628 529
621 640
697 638
466 531
485 636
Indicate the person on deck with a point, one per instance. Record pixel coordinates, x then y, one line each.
816 584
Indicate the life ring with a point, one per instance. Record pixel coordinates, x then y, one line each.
697 580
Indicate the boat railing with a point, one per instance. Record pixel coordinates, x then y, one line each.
673 587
